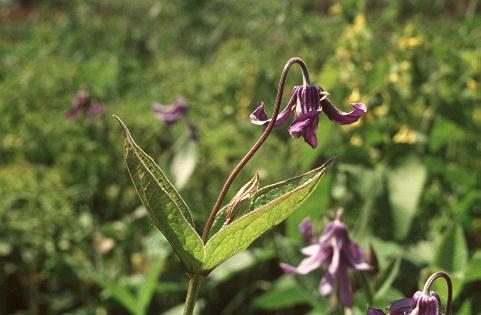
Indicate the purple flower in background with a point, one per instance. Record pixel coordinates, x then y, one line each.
170 114
83 104
306 102
420 304
335 252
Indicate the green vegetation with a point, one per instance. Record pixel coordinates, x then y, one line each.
73 236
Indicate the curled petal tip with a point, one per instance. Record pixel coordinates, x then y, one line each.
340 117
288 269
259 116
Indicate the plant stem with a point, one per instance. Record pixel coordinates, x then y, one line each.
192 292
258 143
447 278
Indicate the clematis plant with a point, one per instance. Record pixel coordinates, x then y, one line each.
424 302
336 253
233 227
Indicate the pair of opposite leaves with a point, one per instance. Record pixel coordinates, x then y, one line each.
251 212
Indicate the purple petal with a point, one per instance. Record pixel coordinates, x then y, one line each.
327 234
290 270
298 126
341 117
311 250
305 228
308 264
354 255
95 110
426 304
400 307
170 114
374 311
344 287
73 113
336 256
310 133
327 284
259 115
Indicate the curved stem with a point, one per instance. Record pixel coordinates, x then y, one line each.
258 143
192 292
434 277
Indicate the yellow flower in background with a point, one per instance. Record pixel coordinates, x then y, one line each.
393 77
355 96
410 42
405 135
356 141
359 23
472 85
381 111
335 9
405 65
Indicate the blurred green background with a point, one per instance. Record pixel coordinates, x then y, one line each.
73 237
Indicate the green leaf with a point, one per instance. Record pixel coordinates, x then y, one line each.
473 270
150 285
271 206
405 184
122 295
387 277
452 253
163 203
284 294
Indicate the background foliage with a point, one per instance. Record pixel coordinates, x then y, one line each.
73 238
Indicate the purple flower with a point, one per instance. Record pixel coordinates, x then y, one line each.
305 103
83 104
335 252
170 114
420 304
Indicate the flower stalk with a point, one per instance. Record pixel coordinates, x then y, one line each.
449 284
257 145
192 292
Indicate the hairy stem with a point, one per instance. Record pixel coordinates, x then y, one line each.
434 277
192 292
256 145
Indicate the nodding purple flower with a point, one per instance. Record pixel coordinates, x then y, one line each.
170 114
83 104
424 302
336 253
420 304
306 102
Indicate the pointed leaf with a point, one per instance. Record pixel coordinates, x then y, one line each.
163 203
405 183
452 253
271 206
149 286
120 294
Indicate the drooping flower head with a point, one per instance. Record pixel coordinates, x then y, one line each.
83 104
424 302
170 114
334 252
305 103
